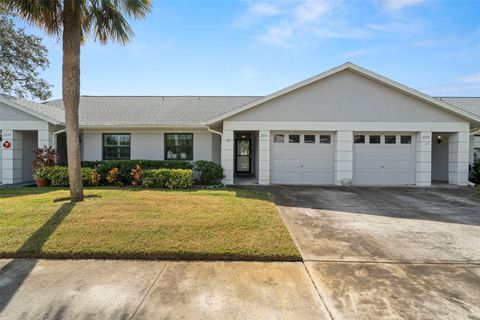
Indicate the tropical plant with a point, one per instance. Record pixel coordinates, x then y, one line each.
44 157
136 174
208 173
112 177
74 20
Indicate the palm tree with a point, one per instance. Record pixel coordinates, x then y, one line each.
74 20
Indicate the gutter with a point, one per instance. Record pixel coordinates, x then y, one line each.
213 131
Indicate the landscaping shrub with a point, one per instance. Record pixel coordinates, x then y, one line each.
475 172
112 177
58 176
208 173
137 175
125 167
167 178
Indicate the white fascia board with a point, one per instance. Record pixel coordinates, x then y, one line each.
359 70
23 125
29 111
173 126
348 126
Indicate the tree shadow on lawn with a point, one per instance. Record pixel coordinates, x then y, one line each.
31 248
25 191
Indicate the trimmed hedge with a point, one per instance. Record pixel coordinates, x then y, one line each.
167 178
58 176
208 173
125 167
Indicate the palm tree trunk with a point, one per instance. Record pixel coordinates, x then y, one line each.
71 93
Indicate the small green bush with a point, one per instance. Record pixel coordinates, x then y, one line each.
167 178
58 176
475 172
208 173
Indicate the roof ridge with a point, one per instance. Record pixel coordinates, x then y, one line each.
160 96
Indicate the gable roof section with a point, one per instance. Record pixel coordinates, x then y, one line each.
363 72
152 111
39 110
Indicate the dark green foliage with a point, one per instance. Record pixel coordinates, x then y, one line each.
167 178
58 176
208 173
125 167
475 172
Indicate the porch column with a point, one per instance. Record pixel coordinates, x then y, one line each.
264 157
44 138
343 157
12 157
458 144
423 174
227 156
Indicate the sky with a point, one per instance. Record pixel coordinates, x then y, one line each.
258 47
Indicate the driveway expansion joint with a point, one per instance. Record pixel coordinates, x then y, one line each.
317 290
148 291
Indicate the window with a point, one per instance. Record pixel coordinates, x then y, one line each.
405 139
179 146
325 139
294 138
374 139
359 138
309 138
279 138
116 146
390 139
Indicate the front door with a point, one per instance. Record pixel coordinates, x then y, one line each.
243 161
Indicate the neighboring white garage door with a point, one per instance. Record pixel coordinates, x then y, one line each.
383 159
301 158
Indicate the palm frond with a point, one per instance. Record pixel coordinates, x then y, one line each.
46 14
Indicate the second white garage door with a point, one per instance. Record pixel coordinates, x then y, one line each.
302 158
383 159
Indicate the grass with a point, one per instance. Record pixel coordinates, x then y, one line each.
148 224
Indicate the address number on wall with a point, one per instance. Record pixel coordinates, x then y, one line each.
264 135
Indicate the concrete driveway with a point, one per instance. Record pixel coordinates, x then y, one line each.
388 252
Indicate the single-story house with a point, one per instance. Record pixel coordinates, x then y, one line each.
345 126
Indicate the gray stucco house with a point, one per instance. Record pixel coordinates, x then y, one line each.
347 125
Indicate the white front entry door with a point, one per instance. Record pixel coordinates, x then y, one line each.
383 159
302 158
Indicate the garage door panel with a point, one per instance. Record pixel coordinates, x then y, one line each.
302 163
383 164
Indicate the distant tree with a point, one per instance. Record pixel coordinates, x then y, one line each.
21 57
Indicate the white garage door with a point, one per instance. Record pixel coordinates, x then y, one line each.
301 158
383 159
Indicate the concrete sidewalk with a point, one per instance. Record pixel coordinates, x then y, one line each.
114 289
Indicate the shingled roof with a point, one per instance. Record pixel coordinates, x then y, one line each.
469 104
153 110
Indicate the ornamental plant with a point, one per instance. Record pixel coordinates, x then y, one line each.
136 175
112 177
44 157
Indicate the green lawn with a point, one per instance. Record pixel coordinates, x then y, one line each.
138 223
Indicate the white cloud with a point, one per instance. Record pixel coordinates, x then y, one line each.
356 53
311 10
396 5
470 79
467 85
294 24
264 9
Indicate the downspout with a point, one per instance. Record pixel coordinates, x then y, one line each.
54 138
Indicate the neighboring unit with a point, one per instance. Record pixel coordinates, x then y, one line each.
345 126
